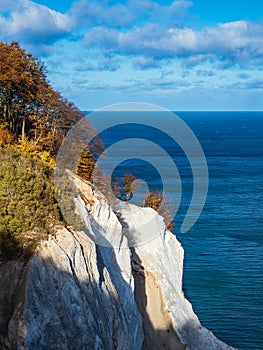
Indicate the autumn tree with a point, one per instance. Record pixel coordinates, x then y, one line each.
52 117
29 107
157 201
86 164
20 77
126 187
153 200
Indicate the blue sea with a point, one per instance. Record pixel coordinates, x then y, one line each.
223 272
223 267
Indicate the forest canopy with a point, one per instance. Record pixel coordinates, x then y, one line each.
29 107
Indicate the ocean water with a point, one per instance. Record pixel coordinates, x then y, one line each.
223 268
223 275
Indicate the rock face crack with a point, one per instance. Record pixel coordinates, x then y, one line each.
124 226
82 251
71 267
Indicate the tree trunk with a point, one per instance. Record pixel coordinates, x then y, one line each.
5 112
23 128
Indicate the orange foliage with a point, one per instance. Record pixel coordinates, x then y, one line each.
153 200
6 138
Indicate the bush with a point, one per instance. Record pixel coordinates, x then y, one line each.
28 210
6 138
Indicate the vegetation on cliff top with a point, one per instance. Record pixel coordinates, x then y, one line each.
34 118
28 211
29 107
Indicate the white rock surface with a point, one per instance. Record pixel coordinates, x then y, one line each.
79 295
163 256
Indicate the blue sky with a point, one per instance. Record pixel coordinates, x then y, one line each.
182 54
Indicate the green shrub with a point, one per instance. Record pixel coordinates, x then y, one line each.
28 209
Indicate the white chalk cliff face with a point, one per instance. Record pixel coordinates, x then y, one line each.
74 294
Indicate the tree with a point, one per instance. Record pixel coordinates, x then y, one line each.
158 202
153 200
29 106
20 77
52 118
86 164
127 181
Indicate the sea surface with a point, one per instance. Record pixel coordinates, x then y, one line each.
223 271
223 267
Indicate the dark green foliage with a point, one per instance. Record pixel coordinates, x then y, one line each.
28 211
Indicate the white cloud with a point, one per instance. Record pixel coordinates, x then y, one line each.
205 73
87 13
254 84
102 13
146 63
244 76
106 64
32 23
234 42
144 30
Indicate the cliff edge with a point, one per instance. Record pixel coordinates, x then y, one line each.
75 294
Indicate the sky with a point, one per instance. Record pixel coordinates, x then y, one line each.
180 55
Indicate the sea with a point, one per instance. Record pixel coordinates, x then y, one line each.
223 265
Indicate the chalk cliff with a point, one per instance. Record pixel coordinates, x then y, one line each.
75 294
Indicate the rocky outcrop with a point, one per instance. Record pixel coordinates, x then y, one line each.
76 294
